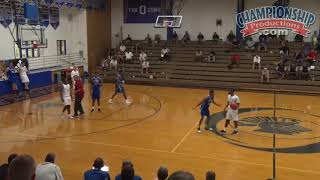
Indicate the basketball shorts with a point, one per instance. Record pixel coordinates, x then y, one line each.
67 101
232 115
119 89
204 112
24 79
95 95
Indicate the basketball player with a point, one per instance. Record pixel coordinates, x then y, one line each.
13 78
119 88
231 108
96 83
23 70
204 109
65 95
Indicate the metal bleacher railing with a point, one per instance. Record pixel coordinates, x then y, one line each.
55 63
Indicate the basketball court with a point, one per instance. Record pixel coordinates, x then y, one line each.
159 128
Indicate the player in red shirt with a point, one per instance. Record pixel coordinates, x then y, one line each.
79 93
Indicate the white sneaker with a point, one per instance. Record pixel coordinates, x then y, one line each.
128 102
210 129
110 101
70 116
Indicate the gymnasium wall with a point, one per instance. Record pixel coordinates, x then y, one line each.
72 28
309 5
198 16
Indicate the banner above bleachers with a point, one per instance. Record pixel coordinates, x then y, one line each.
141 11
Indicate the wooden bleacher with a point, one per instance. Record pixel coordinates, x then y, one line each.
182 71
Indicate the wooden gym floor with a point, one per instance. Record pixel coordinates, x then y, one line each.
159 128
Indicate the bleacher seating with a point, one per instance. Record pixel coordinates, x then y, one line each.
182 70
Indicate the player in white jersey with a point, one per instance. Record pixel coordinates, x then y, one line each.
231 109
65 94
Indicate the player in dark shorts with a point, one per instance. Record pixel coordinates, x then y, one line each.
204 109
13 78
96 84
119 88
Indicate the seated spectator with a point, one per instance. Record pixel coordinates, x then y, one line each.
129 55
157 39
138 47
280 70
145 67
312 57
48 170
175 38
164 54
262 43
4 168
288 68
200 37
111 52
306 49
256 60
235 43
186 38
235 59
215 37
210 175
122 48
211 57
284 51
105 65
113 64
128 39
198 56
250 45
148 39
22 167
142 56
299 69
314 38
162 173
231 37
181 175
127 172
96 173
265 75
120 57
306 73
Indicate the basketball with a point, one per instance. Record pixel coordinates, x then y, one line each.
234 106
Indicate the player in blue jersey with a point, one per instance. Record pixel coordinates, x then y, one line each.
204 109
119 88
13 78
96 83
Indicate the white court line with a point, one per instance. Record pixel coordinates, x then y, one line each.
184 138
185 154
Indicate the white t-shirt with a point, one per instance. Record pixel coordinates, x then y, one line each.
143 56
257 59
23 71
233 99
113 62
122 48
145 64
128 55
164 51
65 90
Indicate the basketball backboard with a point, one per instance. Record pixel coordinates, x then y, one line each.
168 21
32 36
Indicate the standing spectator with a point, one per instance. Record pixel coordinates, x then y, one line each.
48 170
312 57
96 173
22 168
4 168
157 39
212 57
235 59
284 51
145 66
175 38
200 37
198 56
128 39
164 54
142 56
265 74
129 56
250 45
23 70
122 48
148 39
210 175
79 94
262 43
314 38
256 60
186 38
230 37
215 37
162 173
113 64
181 175
13 78
127 172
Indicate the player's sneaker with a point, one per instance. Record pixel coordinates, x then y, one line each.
70 116
92 110
128 102
235 132
199 130
110 101
210 129
223 131
99 110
